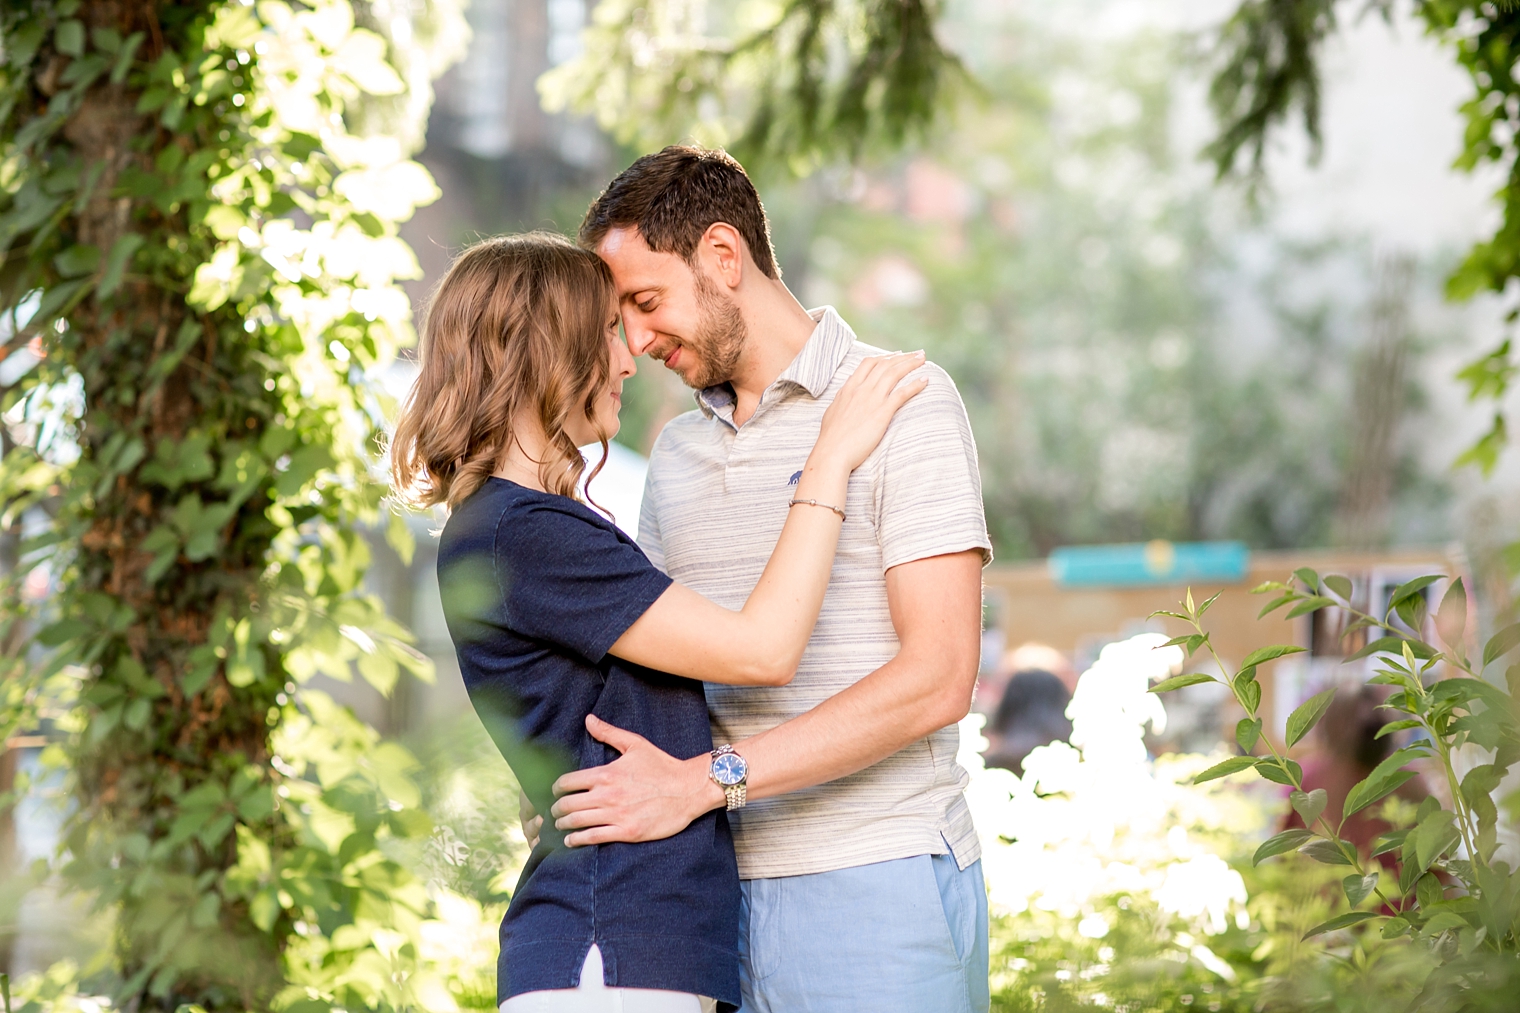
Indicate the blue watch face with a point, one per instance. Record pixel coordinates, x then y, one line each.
729 769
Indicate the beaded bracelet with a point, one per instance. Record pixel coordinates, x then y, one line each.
814 502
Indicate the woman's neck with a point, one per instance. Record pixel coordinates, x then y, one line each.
520 463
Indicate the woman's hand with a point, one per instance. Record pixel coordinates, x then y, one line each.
532 823
857 420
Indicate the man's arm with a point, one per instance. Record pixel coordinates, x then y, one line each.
936 608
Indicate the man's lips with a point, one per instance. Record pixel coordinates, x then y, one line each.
673 357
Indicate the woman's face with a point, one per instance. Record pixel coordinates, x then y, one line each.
609 401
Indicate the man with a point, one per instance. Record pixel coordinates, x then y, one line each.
862 880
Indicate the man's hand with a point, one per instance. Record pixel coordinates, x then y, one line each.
644 795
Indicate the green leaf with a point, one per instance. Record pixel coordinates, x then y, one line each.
1307 605
1374 788
1391 840
1396 927
1265 654
1340 585
1451 617
1247 731
1250 693
79 259
1393 645
1327 851
1444 921
265 908
1409 589
1307 715
1211 599
1279 844
1501 643
1340 922
1309 804
1429 891
116 263
1358 887
1274 771
1397 726
1435 834
1233 765
1309 577
124 57
137 714
1276 604
61 632
1179 681
68 38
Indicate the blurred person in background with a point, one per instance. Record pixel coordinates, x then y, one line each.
1032 713
1031 656
1346 750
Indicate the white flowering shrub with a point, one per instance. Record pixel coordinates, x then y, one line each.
1097 844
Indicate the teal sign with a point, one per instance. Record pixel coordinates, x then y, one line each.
1142 564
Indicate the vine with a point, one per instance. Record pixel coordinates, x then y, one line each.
199 286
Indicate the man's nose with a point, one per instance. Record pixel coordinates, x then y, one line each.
640 337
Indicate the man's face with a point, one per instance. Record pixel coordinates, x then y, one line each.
672 311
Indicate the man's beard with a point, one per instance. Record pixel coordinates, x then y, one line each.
720 336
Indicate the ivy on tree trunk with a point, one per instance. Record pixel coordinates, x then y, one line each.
199 283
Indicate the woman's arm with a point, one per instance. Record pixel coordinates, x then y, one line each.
686 634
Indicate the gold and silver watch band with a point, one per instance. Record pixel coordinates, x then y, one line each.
735 794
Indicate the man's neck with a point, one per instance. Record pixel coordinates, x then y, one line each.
778 329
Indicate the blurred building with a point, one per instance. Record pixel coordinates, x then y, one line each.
503 164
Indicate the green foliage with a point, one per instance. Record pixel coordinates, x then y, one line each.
793 85
1269 69
1444 890
199 279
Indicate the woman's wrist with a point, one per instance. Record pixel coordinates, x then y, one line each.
826 463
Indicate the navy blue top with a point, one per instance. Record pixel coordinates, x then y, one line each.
536 588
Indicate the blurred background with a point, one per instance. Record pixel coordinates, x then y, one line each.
1147 356
1172 381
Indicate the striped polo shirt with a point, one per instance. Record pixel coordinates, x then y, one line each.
714 503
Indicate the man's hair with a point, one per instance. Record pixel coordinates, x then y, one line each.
673 195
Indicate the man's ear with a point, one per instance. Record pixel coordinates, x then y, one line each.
725 253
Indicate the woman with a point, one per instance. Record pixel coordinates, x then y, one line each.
556 615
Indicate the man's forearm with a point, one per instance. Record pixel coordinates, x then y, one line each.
881 714
864 724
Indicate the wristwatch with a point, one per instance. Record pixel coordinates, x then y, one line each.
731 774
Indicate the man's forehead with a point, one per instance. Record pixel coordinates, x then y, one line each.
622 239
634 265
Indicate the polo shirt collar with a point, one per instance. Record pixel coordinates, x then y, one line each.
812 370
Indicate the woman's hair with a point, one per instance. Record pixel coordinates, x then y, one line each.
518 324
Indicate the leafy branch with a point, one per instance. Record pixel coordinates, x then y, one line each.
811 81
1439 693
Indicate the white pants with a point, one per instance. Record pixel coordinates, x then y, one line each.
593 996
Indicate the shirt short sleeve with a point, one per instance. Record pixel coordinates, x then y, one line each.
929 489
571 580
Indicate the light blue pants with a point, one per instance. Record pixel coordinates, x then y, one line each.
906 936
